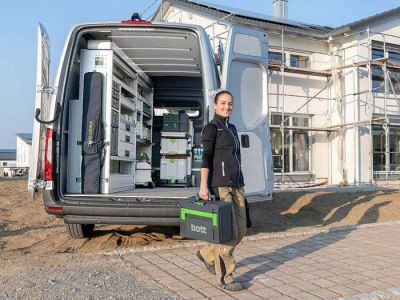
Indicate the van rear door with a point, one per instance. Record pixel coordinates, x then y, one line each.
40 171
244 74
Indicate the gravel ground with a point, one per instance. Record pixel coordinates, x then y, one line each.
77 276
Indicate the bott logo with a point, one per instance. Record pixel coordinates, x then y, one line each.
201 229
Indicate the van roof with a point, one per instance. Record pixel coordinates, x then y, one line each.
171 53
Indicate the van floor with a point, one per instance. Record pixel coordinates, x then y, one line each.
158 192
161 192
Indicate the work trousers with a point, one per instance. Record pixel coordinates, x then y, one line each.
221 255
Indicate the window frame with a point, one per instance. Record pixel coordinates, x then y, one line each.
299 57
391 129
276 60
378 81
291 145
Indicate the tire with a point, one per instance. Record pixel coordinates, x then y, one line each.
80 231
151 185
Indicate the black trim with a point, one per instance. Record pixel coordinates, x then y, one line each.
152 211
70 219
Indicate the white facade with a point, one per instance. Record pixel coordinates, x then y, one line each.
24 149
326 151
8 163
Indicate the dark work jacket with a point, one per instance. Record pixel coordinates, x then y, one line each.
221 153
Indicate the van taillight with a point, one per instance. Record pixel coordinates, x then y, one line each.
48 166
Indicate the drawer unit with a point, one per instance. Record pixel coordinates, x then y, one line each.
127 126
127 137
126 150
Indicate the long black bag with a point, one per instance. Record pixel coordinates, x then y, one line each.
91 133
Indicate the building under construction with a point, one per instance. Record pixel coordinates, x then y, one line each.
334 109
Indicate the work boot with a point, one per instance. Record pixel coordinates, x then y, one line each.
232 287
210 268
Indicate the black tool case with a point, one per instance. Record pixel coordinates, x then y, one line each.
209 221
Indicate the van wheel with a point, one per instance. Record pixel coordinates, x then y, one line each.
151 185
80 231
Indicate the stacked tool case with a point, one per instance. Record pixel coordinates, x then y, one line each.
176 146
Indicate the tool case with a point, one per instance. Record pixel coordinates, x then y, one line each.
209 221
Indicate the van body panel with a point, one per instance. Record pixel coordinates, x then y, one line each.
245 75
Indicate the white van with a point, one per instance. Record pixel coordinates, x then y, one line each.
148 70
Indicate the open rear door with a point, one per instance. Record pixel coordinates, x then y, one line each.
244 74
42 110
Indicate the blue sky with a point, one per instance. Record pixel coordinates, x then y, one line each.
19 20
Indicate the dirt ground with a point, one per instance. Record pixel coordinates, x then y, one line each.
25 228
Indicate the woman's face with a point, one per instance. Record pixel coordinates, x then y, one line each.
224 105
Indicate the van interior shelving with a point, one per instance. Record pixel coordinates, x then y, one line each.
145 77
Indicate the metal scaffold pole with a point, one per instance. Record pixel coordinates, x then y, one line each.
283 114
370 95
385 126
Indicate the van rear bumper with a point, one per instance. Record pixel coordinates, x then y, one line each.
83 211
161 215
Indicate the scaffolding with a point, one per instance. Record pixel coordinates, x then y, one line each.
334 80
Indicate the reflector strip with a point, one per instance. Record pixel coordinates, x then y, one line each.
55 208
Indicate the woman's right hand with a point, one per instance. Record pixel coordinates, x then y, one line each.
204 193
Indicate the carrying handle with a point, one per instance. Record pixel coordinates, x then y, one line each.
57 113
212 198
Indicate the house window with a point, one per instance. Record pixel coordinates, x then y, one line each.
379 149
4 164
378 76
296 148
275 58
379 158
299 61
276 142
394 148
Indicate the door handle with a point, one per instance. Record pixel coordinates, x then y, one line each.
245 140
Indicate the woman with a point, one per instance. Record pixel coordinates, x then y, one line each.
221 173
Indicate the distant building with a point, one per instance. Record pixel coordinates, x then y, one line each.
24 149
8 161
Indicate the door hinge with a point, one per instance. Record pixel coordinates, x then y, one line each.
212 93
42 185
47 89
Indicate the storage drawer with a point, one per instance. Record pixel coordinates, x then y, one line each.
115 103
127 137
114 119
127 127
126 150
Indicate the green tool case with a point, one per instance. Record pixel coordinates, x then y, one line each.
209 221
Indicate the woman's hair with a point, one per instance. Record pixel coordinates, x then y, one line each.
223 92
